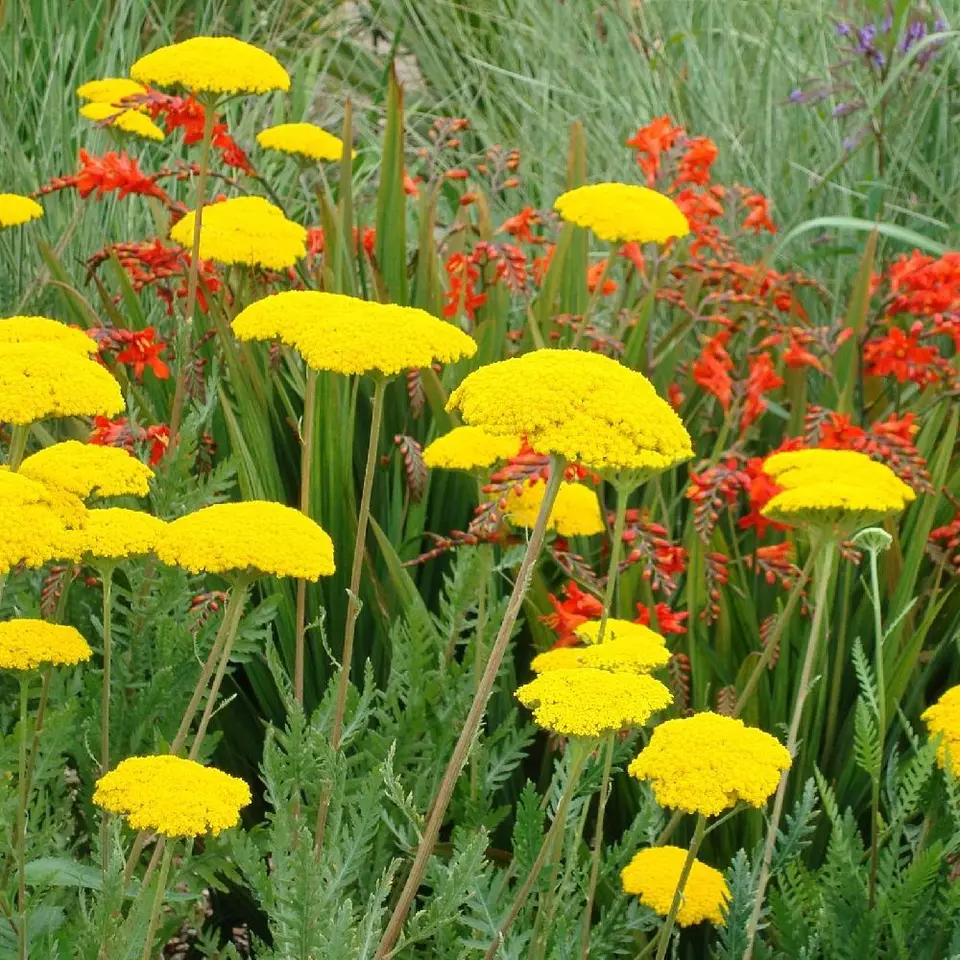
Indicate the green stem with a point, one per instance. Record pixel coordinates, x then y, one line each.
824 562
353 600
594 297
616 548
597 845
306 462
667 929
479 651
579 754
836 681
881 722
20 842
157 902
18 445
106 575
478 708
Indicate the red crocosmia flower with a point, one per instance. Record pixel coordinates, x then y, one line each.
464 276
368 240
541 265
634 253
760 490
668 620
925 286
120 433
114 171
593 278
759 216
159 439
675 396
142 350
901 355
410 187
316 241
797 356
651 142
698 156
711 370
518 226
575 609
761 379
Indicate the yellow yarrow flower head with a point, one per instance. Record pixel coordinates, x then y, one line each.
111 90
615 629
128 121
26 644
348 335
212 65
244 230
653 875
622 212
88 470
576 511
257 537
15 210
45 330
40 380
172 796
587 408
115 533
833 490
469 448
621 655
943 719
708 762
302 139
586 702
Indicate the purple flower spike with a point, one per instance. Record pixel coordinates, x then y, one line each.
886 23
843 29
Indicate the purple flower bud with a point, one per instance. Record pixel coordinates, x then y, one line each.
845 109
843 29
886 23
850 143
796 96
940 25
878 58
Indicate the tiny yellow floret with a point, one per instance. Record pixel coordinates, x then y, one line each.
469 448
256 537
45 330
585 702
616 629
622 212
115 533
212 65
302 139
587 408
111 90
575 513
128 121
172 796
38 522
943 719
26 644
707 763
620 655
653 875
89 470
15 209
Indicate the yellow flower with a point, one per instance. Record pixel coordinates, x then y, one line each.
45 330
943 718
303 139
585 407
172 796
584 702
620 212
114 533
245 230
25 644
653 875
110 89
129 121
87 469
15 210
469 448
348 335
212 65
708 762
616 629
800 468
258 537
39 380
620 655
576 511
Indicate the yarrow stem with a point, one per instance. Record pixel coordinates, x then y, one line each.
823 553
881 723
106 576
462 749
667 929
18 445
21 838
157 901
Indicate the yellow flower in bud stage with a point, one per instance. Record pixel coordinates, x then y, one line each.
616 629
172 796
302 139
127 121
115 533
707 763
45 330
621 212
15 210
653 875
943 719
87 470
246 230
350 336
584 407
219 65
26 644
576 511
620 655
40 380
586 702
256 537
469 448
110 90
